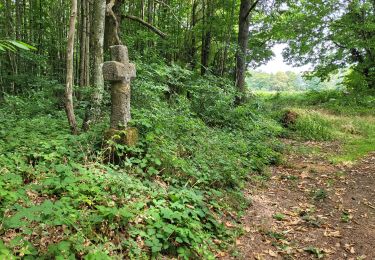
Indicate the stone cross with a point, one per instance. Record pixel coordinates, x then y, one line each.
119 72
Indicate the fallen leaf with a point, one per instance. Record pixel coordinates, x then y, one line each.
228 224
332 234
247 229
304 175
258 256
221 254
272 253
295 222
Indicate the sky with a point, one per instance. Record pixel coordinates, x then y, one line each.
277 63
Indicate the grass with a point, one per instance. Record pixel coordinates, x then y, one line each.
346 118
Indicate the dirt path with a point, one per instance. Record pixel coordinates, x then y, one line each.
312 209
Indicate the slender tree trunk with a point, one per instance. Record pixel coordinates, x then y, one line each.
88 42
228 41
11 34
206 36
69 70
112 26
83 38
150 11
243 38
193 37
97 73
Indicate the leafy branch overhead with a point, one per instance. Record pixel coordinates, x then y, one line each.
13 45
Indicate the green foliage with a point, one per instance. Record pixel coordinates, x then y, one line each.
347 117
12 45
330 36
319 194
169 195
279 216
290 81
312 126
318 253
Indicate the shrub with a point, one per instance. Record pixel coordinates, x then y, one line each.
168 195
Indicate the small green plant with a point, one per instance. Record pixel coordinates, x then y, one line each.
289 177
5 253
276 235
346 217
319 194
279 216
318 253
311 220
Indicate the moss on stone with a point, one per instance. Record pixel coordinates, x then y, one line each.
128 136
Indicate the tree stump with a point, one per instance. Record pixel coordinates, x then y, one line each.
120 72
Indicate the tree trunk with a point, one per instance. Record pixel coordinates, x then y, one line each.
111 33
243 38
206 36
228 41
193 48
69 70
88 41
83 39
150 11
97 73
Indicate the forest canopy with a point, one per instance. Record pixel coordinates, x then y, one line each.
202 35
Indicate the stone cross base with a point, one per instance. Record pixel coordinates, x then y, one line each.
128 136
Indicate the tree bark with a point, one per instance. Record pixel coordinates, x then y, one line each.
243 38
69 70
97 73
193 48
206 36
150 11
83 39
227 41
112 23
146 24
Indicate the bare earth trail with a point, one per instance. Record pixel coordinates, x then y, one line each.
312 209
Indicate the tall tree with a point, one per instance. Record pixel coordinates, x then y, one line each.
70 69
331 35
207 12
84 43
98 24
247 6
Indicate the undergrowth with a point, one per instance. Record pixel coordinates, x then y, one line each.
341 116
172 194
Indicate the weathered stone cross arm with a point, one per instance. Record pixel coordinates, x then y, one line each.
120 69
119 72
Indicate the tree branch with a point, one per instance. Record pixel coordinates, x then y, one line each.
146 24
339 45
112 14
252 7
